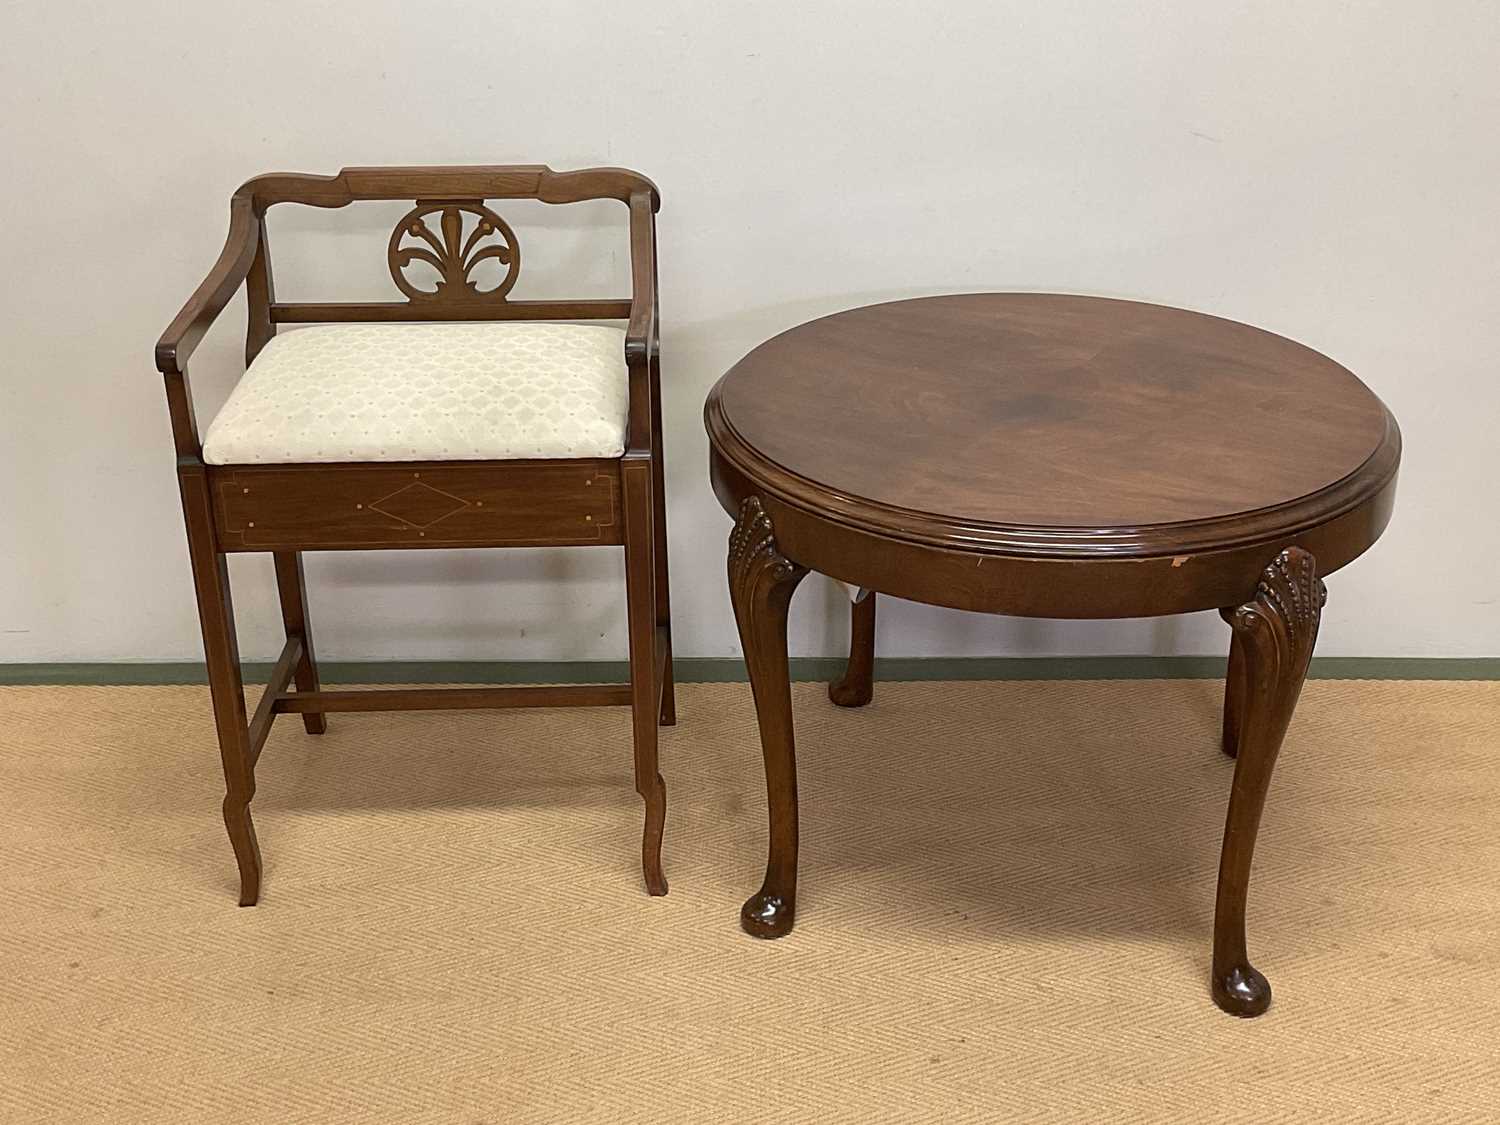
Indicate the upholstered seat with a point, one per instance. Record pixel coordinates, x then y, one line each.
427 392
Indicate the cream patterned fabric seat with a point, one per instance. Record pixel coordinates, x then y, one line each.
427 392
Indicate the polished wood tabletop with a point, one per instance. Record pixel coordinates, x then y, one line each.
1049 455
1172 451
1052 411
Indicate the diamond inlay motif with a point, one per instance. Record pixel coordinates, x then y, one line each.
419 505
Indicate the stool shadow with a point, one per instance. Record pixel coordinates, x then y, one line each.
569 757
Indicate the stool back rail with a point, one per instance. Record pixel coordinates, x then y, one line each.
286 509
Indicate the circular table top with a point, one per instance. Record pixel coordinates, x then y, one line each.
1049 456
1051 411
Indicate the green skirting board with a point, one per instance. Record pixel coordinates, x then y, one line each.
728 670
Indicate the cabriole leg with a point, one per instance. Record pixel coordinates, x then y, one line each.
1276 632
858 685
1234 689
761 583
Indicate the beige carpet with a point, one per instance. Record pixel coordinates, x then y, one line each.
1007 894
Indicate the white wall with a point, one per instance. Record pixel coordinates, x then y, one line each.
1324 169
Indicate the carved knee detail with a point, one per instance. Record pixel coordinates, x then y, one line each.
757 569
1281 622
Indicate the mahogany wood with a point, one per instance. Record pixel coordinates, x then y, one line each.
414 505
1234 690
288 509
265 710
857 687
221 652
645 683
260 296
761 584
482 181
192 322
477 309
641 333
292 588
659 527
1276 631
1041 412
451 253
1049 456
455 699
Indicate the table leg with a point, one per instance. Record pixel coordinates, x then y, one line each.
1276 632
761 582
1234 689
858 685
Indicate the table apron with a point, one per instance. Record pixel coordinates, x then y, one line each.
1092 588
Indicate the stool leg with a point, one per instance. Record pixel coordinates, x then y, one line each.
668 712
292 587
659 531
1277 630
645 687
222 656
858 685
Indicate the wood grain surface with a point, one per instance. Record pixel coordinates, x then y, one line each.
1052 410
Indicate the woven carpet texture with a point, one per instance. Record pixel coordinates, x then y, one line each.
1007 894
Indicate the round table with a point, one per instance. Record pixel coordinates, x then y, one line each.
1043 455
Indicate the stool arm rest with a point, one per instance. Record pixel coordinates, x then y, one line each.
642 342
190 325
641 332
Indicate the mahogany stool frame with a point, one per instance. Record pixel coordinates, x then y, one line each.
285 509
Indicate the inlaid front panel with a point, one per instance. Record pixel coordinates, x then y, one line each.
353 507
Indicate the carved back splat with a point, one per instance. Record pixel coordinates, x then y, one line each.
450 253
